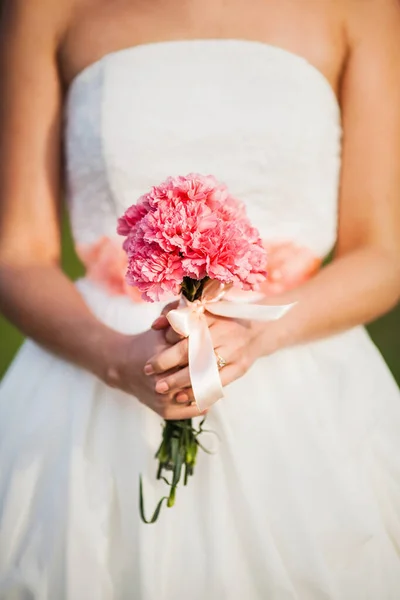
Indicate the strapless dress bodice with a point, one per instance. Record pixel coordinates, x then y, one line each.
257 117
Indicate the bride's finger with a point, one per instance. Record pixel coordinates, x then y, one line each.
172 357
179 412
228 374
179 382
162 322
185 396
174 382
172 337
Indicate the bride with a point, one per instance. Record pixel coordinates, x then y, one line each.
295 106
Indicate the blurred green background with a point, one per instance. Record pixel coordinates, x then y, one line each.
385 332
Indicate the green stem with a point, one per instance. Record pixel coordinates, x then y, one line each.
177 454
178 449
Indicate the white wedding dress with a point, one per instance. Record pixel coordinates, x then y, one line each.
301 500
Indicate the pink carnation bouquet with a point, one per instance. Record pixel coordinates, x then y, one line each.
183 236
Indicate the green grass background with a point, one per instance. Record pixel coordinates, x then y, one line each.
385 332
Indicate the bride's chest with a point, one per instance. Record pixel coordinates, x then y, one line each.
254 104
310 28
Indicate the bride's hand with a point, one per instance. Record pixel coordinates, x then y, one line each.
238 342
127 373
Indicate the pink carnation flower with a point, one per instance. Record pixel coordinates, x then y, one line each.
133 215
157 274
190 227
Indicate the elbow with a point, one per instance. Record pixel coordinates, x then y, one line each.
395 300
392 302
16 254
381 264
390 270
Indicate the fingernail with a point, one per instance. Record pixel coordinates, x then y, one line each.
149 370
182 398
162 387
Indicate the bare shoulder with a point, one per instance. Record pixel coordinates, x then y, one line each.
372 20
42 18
373 34
87 34
30 30
33 32
370 99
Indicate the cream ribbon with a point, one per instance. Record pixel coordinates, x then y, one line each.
189 320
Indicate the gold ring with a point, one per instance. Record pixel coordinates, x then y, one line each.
221 362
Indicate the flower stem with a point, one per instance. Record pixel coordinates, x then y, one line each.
179 445
192 289
177 453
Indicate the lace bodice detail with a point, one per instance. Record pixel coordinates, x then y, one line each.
260 119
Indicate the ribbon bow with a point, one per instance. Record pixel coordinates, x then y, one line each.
189 320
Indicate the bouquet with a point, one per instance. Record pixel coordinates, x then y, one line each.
189 238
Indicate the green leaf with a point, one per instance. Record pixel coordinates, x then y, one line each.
204 448
166 481
141 504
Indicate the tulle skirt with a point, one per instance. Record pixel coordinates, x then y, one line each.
300 499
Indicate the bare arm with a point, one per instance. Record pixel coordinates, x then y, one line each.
34 293
363 281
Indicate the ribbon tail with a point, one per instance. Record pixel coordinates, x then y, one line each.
203 369
254 312
204 374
